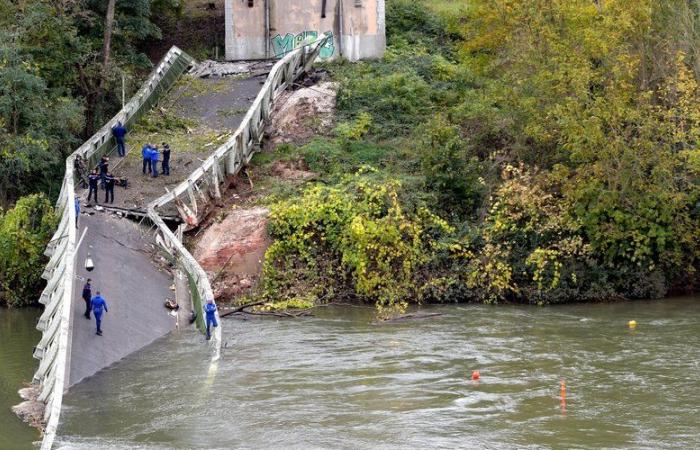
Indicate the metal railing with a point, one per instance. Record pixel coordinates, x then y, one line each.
203 185
54 349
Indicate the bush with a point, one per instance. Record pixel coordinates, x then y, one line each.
449 170
355 239
24 233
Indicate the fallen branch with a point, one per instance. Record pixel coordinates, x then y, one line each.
241 308
408 317
304 313
250 178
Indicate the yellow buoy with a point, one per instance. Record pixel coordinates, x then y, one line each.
632 324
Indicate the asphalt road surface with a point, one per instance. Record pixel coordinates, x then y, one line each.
134 287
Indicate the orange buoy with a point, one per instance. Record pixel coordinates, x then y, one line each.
562 395
476 375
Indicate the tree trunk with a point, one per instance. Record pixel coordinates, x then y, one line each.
109 23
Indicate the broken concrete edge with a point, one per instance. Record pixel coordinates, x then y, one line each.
31 410
209 68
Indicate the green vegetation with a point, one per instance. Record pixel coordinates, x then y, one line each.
557 141
354 237
24 232
58 84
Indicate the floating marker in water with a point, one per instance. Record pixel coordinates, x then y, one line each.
632 324
562 395
476 375
562 389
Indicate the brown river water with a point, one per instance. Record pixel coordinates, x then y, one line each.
339 381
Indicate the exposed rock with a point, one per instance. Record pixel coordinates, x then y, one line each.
232 251
302 114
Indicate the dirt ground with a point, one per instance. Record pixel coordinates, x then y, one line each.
195 118
302 114
231 251
231 241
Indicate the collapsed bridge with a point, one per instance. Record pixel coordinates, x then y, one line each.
135 278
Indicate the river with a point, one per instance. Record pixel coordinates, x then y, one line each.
18 336
338 381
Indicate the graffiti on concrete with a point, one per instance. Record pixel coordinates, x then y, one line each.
283 45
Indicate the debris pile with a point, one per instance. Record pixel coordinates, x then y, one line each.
209 68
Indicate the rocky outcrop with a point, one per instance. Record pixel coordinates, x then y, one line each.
232 250
302 114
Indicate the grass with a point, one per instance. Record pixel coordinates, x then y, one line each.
185 135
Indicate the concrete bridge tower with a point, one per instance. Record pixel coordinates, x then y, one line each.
262 29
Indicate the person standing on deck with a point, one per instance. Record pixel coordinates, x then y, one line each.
109 188
146 155
166 159
87 297
77 210
104 168
98 305
119 131
93 178
154 161
210 311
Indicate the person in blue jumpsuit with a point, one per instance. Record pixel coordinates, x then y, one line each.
154 161
98 306
210 311
119 131
77 210
146 154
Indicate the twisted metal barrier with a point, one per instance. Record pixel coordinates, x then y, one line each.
203 185
54 349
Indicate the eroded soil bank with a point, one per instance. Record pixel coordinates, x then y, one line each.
231 242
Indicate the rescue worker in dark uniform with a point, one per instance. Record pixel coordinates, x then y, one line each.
166 159
98 304
210 311
146 154
87 297
119 131
93 178
109 188
104 168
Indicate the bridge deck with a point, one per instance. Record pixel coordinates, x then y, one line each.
194 119
130 277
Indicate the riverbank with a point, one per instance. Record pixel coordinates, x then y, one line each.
456 169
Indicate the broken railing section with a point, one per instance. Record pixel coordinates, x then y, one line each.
193 196
53 351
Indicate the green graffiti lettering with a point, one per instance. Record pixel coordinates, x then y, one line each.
283 45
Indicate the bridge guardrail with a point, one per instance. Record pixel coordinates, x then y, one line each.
54 349
203 184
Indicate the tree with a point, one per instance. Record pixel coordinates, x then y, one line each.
24 233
